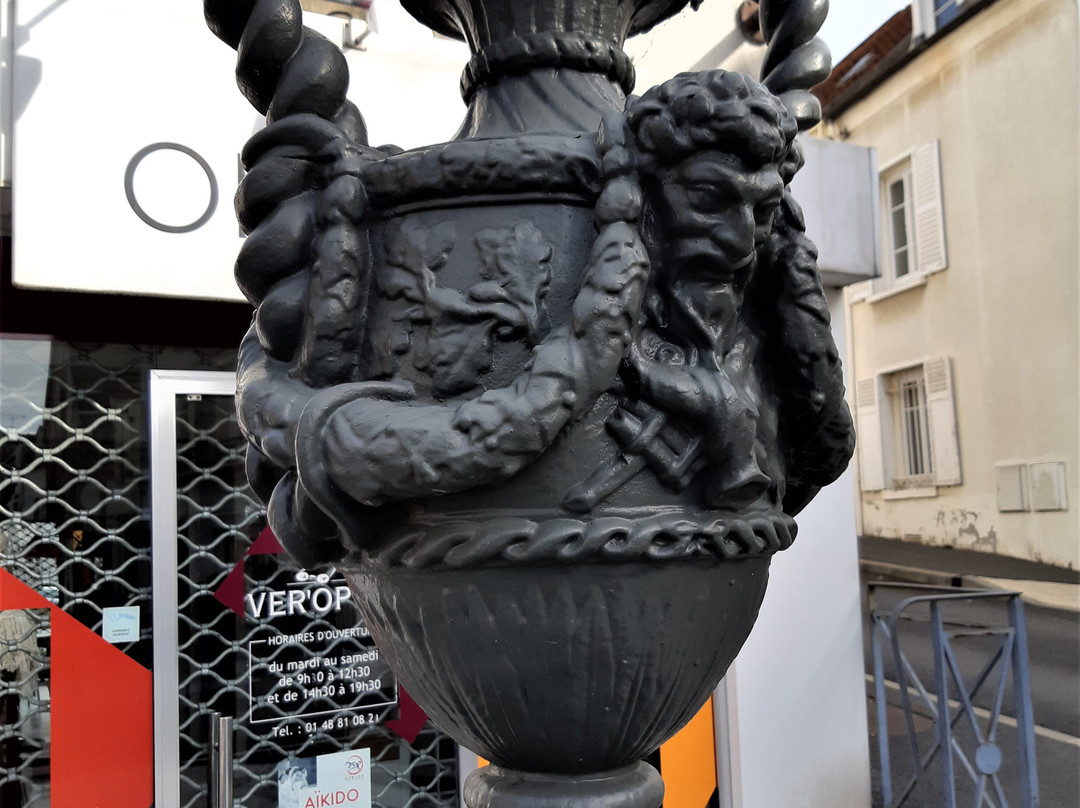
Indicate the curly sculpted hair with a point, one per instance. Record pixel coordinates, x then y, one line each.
713 110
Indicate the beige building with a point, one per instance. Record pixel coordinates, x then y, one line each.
963 352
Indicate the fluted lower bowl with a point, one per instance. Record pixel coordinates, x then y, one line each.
562 669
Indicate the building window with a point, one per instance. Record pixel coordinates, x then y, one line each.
898 219
945 11
908 440
912 215
911 428
930 16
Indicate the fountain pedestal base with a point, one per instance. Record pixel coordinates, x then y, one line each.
635 786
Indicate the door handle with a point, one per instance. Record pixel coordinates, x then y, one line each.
221 754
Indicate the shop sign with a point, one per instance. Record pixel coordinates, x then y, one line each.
314 668
338 780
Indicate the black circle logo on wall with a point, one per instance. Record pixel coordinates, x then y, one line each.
129 187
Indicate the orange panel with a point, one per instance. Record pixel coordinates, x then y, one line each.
688 763
102 713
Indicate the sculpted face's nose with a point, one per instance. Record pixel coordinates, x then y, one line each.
735 235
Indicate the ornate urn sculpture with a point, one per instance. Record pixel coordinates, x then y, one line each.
550 393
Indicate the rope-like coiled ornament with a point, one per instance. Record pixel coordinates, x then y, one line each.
818 422
301 201
656 537
796 59
305 264
281 67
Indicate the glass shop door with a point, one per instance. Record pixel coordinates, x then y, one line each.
268 691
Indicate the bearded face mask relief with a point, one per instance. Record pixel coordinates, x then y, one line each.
519 384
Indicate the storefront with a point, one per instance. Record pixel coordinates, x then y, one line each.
142 597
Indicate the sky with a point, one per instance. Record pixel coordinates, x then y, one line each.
851 21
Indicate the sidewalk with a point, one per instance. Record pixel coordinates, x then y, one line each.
1040 584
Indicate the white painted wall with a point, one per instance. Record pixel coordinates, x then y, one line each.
796 698
1006 309
693 40
96 81
7 24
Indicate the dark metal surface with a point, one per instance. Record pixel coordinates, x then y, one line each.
551 393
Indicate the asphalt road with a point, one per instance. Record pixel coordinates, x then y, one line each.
1054 665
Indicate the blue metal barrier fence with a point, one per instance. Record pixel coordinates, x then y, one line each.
981 757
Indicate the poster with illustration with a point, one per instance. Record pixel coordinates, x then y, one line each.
341 780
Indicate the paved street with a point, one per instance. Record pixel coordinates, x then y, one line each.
1054 657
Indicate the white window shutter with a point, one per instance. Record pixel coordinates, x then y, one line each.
871 450
941 411
920 14
928 213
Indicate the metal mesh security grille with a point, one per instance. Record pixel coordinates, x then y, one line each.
224 657
24 707
75 527
74 514
75 492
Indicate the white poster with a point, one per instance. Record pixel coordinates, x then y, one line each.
120 624
338 780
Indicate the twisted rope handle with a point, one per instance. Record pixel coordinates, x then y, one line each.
818 422
283 68
305 264
301 201
796 59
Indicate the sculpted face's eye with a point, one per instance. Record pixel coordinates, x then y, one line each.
705 196
763 216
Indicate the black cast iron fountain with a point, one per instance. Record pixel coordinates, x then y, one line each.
551 393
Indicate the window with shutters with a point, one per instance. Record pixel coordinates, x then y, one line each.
908 439
897 203
913 227
911 428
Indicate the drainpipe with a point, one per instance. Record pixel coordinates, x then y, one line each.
7 118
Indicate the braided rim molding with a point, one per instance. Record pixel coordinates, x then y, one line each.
660 537
590 54
534 163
